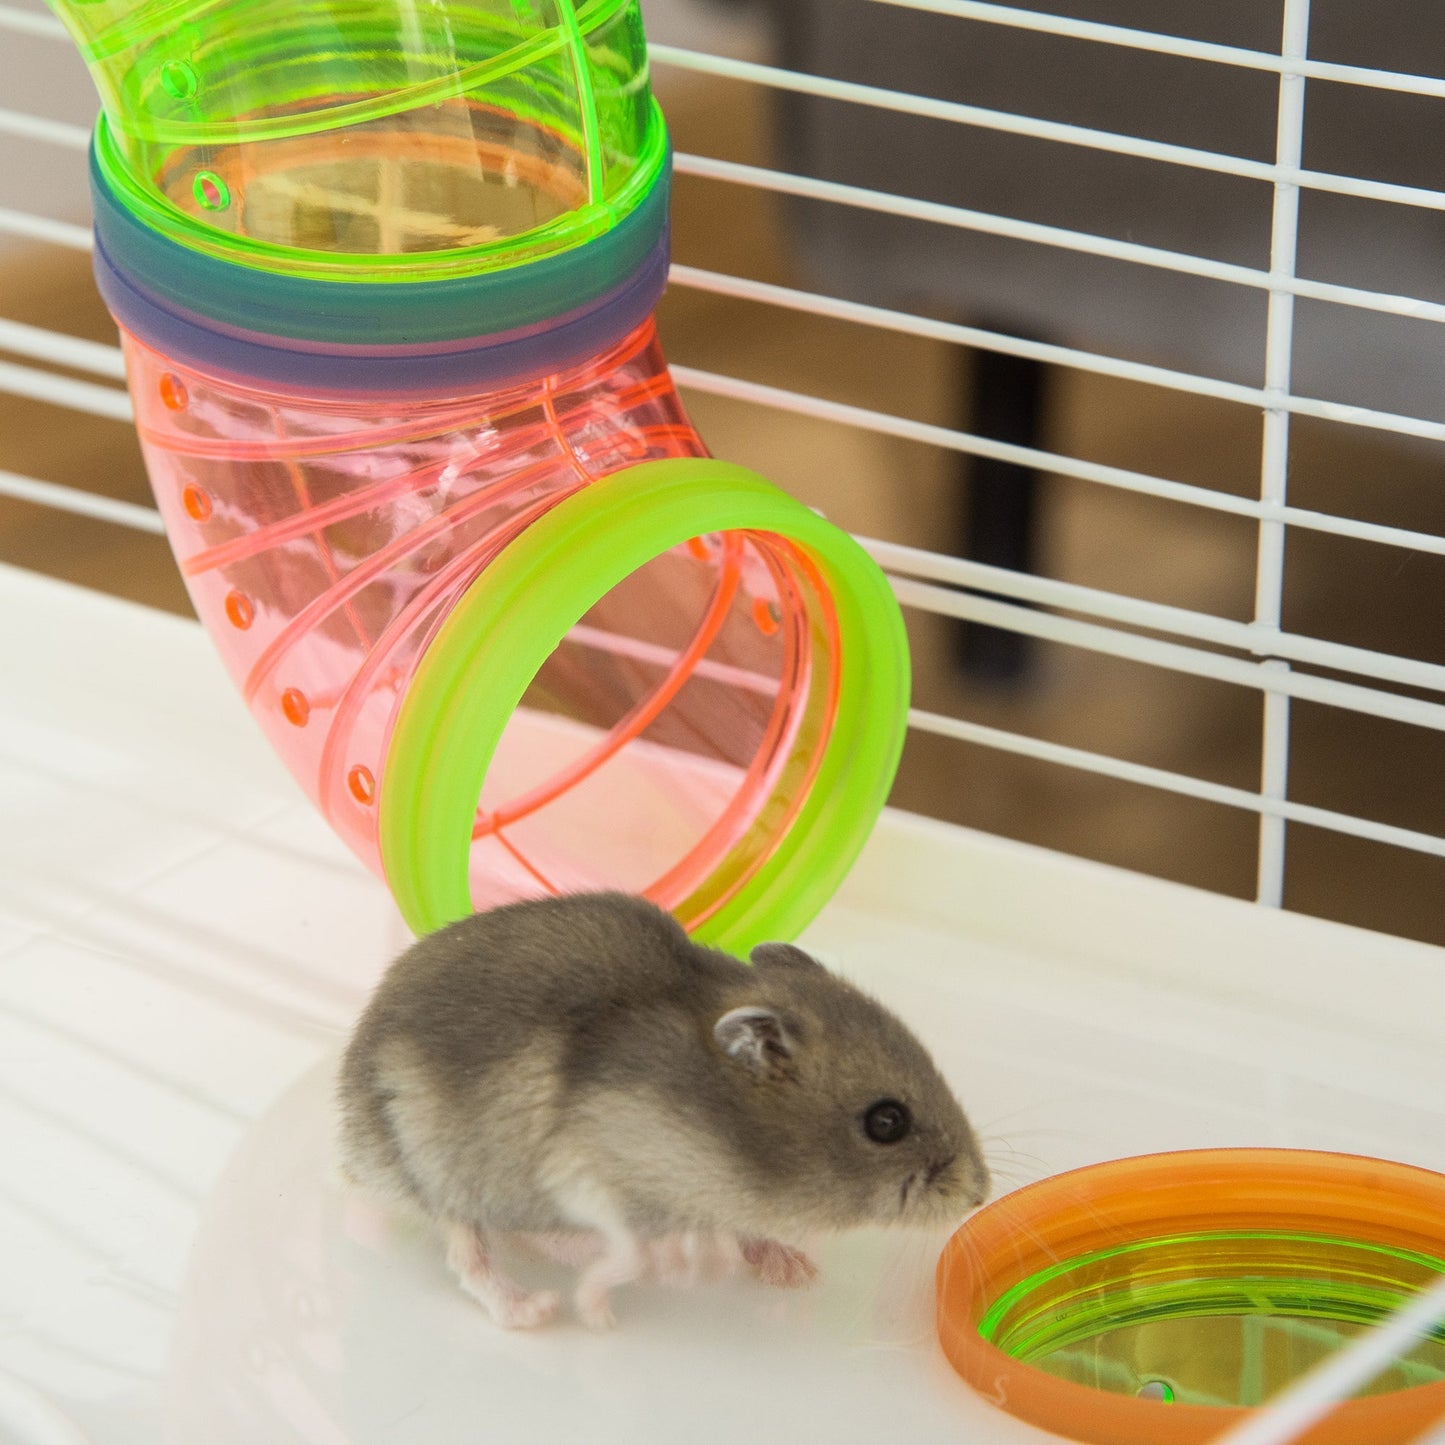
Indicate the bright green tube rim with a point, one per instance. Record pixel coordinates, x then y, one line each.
515 614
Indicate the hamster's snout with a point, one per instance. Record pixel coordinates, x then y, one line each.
946 1189
963 1179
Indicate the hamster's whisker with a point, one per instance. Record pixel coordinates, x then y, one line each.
1043 1243
1006 1176
992 1142
903 1193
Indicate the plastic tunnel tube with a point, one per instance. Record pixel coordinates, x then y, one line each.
384 275
1161 1300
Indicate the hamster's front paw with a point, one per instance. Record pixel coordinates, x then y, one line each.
779 1265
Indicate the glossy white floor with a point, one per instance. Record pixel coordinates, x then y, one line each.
182 945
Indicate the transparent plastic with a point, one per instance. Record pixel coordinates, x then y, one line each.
661 715
524 636
1152 1301
377 140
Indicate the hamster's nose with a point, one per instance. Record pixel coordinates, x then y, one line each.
980 1185
967 1176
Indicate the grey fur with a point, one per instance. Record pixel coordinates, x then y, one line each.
553 1065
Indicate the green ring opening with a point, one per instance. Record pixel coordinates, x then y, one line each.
522 606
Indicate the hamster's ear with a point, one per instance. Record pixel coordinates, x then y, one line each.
781 955
757 1038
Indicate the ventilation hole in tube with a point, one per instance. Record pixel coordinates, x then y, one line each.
239 611
295 707
197 502
174 396
362 785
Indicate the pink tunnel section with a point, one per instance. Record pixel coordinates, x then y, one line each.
324 542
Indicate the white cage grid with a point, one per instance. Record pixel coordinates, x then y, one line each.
1261 654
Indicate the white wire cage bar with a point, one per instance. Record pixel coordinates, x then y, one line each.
1259 654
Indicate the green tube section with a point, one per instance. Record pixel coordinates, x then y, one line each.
374 140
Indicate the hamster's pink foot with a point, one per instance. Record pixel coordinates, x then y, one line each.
779 1265
594 1308
624 1260
509 1305
691 1257
525 1311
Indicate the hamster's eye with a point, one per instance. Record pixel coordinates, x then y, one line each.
887 1121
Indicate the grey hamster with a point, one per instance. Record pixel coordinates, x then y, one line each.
577 1069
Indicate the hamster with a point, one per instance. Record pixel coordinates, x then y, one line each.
579 1072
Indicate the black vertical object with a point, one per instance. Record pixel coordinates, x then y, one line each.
1005 398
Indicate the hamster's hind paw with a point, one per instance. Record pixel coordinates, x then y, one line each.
594 1308
779 1265
524 1311
623 1261
509 1305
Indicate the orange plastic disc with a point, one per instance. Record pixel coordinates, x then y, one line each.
1156 1300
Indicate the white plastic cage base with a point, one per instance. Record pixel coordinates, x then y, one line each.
182 942
1381 319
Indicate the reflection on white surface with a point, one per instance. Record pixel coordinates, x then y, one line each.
181 938
28 1418
307 1319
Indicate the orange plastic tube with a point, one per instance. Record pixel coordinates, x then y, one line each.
1101 1211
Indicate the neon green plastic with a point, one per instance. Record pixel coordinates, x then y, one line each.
384 137
1223 1317
504 628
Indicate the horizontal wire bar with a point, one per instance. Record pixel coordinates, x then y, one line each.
82 504
77 137
1175 656
147 519
815 304
64 350
41 128
86 396
1157 617
1036 128
986 223
767 293
886 424
47 26
1178 45
980 117
1084 242
107 402
920 564
1181 783
43 228
25 382
26 23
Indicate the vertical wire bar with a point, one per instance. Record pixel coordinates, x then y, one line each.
1274 450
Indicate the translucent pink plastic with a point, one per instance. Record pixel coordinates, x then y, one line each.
324 543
